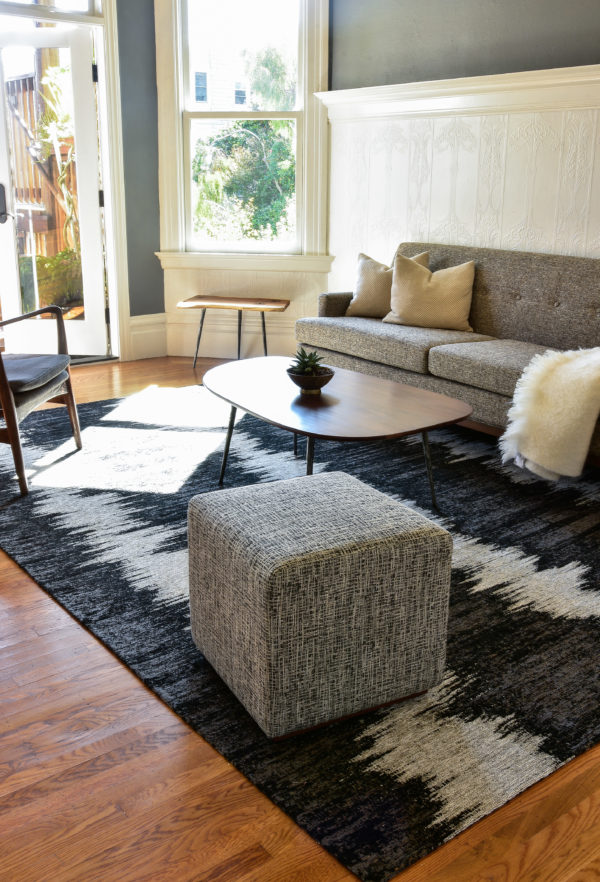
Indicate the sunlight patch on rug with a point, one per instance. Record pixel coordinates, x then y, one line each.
111 459
187 407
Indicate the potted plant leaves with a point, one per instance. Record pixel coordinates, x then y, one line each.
307 372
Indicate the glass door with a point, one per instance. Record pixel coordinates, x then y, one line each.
51 244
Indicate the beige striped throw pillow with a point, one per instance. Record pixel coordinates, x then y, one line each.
372 292
431 300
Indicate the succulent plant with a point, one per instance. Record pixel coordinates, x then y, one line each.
306 362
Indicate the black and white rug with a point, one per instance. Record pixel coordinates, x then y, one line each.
104 532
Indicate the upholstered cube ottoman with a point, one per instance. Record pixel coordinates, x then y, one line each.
317 597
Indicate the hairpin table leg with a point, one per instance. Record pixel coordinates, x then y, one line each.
264 330
227 443
310 453
427 454
199 335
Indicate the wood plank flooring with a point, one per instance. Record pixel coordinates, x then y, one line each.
101 781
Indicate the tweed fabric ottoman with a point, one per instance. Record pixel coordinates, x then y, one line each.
317 597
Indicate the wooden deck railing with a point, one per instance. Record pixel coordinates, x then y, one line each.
37 192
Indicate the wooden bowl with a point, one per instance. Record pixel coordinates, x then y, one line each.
311 384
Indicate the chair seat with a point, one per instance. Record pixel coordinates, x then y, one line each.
28 372
26 381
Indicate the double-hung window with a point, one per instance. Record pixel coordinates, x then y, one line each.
252 146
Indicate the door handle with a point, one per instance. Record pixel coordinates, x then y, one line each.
4 214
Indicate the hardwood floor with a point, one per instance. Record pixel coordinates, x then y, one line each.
101 781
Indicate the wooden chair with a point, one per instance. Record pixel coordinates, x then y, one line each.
26 381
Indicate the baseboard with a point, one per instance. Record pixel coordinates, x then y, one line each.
147 336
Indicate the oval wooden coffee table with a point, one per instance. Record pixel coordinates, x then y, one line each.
352 407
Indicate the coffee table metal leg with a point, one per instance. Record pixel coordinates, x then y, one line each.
264 330
310 453
239 332
199 335
227 443
427 454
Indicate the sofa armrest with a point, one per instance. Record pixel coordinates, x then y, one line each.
331 304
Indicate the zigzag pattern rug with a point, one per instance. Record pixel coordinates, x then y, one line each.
521 692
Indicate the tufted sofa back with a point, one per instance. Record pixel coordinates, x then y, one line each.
548 299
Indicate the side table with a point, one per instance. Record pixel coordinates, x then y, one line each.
255 304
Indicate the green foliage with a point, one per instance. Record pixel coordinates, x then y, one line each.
306 362
250 166
271 82
246 174
55 125
59 278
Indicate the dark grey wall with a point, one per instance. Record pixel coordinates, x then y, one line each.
402 41
137 63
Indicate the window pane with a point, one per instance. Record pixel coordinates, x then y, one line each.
242 47
243 193
39 99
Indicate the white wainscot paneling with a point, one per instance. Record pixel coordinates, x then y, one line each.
219 334
509 161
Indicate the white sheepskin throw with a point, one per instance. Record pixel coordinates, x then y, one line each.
554 412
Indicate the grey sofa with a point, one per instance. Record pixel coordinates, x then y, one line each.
523 303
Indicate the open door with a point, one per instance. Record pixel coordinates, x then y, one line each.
51 244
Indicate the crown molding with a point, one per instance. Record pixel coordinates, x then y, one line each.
538 90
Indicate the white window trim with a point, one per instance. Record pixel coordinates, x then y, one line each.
45 13
312 177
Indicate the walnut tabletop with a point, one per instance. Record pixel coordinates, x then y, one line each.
207 301
352 407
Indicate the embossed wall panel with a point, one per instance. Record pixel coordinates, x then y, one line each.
453 196
592 238
489 203
520 176
575 181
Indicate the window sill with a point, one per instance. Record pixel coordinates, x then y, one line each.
285 263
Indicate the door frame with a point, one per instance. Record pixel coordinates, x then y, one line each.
111 138
88 336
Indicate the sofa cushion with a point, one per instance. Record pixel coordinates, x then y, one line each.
431 300
373 289
548 299
367 338
494 365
